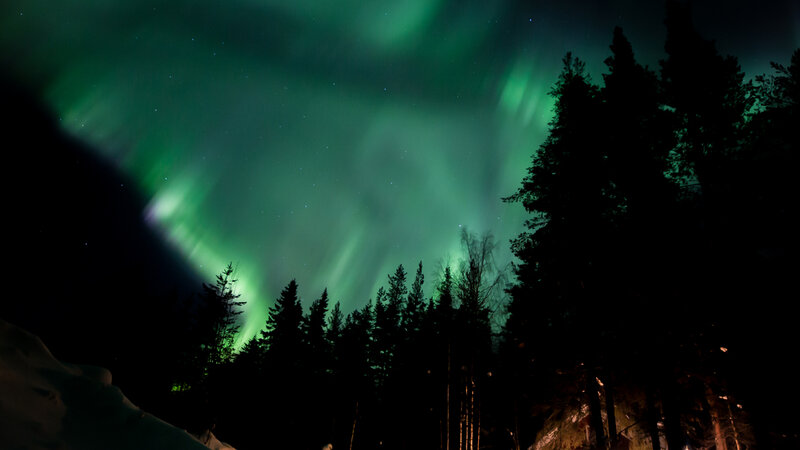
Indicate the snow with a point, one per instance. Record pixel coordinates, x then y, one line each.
209 440
47 404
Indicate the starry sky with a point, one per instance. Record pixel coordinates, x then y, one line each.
331 141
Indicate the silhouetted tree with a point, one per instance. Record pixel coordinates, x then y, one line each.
444 316
315 334
411 372
317 367
709 99
283 335
217 324
707 93
335 325
476 286
388 308
411 315
356 380
568 191
444 303
781 90
284 371
764 267
251 355
639 136
211 352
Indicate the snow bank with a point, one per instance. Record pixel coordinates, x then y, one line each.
46 404
209 440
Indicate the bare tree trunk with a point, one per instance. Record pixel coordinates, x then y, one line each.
353 432
672 415
470 413
441 435
652 418
719 438
461 425
733 427
611 413
595 409
447 410
478 427
467 424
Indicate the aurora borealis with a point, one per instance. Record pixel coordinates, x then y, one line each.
331 141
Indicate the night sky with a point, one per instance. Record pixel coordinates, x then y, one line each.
331 141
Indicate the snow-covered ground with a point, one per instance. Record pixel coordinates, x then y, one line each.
47 404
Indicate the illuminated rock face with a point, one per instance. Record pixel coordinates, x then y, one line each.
47 404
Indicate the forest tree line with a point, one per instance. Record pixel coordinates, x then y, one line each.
406 370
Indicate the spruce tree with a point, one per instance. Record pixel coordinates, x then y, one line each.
218 309
315 334
356 375
388 307
557 305
444 304
442 361
639 136
283 335
317 368
638 131
708 94
414 307
284 373
709 98
767 242
566 191
335 324
410 365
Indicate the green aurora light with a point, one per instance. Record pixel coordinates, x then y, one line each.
327 141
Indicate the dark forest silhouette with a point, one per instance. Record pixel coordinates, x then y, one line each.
654 282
